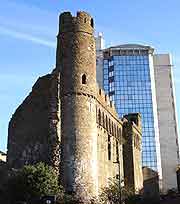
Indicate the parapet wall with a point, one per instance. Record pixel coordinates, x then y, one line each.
83 22
104 100
108 118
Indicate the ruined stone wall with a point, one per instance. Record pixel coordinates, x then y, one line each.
67 107
128 156
109 141
137 149
54 117
132 152
109 150
34 127
112 134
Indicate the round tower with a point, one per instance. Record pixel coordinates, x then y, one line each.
76 60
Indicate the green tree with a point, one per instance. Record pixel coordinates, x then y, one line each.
111 194
33 182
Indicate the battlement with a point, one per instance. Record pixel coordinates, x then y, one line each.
103 98
82 22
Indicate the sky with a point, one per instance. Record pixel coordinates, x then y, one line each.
28 31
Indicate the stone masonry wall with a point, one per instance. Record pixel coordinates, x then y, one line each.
67 117
76 60
33 134
132 153
109 141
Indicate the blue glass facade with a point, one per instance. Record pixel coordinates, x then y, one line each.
127 81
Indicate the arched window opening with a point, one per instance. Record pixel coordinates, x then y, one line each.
92 23
117 151
105 97
109 147
112 129
115 130
85 20
109 125
106 123
99 117
103 121
84 79
119 134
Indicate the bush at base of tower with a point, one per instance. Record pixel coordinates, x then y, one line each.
32 183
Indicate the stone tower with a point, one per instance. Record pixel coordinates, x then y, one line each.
76 60
132 132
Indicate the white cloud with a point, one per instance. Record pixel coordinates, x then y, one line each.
25 36
26 22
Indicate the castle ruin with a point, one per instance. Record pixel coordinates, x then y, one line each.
70 124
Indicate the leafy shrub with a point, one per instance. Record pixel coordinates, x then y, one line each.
113 193
33 182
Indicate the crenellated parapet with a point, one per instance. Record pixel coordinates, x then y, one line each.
82 22
106 115
104 100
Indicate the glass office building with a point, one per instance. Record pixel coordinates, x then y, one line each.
128 78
